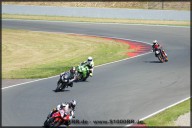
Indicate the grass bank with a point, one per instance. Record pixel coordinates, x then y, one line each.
167 117
28 54
96 20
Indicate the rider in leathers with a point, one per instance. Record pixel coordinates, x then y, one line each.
71 74
156 46
90 64
65 109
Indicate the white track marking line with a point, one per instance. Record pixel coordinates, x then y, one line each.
103 23
125 59
27 82
164 109
95 66
161 110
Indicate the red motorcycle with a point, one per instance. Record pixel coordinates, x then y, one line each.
54 119
161 55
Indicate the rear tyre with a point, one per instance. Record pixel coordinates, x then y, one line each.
160 59
84 79
166 59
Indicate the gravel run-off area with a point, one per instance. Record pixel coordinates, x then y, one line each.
183 120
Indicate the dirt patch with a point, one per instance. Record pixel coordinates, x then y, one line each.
183 120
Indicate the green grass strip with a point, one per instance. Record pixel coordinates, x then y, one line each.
29 54
96 20
167 117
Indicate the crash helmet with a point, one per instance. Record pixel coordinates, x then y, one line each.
155 42
72 70
62 105
73 104
89 59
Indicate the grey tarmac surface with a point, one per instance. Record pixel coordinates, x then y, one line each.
130 89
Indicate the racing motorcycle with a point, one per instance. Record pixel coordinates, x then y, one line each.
81 69
54 119
63 82
161 55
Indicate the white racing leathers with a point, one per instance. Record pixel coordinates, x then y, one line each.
65 111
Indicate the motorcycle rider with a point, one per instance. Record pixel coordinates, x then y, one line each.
71 74
156 46
72 105
67 108
90 64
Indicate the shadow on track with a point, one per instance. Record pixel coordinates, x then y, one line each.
152 61
60 91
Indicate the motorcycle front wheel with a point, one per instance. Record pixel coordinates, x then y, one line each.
56 124
46 124
53 123
59 86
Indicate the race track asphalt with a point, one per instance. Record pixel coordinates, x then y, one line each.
129 89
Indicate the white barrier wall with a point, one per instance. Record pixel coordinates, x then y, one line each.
98 12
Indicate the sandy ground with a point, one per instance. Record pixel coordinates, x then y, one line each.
183 120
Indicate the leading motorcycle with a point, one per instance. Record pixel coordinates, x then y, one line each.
161 55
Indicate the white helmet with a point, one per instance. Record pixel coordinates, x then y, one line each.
155 41
63 105
89 59
73 103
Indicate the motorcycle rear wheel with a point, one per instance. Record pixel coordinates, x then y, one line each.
84 79
166 58
160 59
